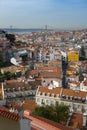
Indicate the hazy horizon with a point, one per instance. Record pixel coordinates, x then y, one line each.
60 14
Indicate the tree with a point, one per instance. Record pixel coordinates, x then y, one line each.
57 113
61 112
9 75
2 77
10 37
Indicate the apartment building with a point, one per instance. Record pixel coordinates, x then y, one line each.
76 100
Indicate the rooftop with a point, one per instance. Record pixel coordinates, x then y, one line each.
7 114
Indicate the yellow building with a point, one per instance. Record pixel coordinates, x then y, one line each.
73 56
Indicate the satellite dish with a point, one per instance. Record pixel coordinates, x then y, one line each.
13 61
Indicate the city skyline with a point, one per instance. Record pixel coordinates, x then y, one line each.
62 14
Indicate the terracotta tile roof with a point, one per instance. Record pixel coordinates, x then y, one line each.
16 84
76 120
3 108
85 82
69 92
55 124
54 61
44 51
80 94
34 128
49 69
65 92
46 124
31 85
29 105
50 75
33 72
7 114
45 90
75 83
38 79
11 81
72 69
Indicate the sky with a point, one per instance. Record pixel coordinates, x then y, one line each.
60 14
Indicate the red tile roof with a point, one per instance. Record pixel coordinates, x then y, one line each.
55 124
34 128
75 83
7 114
29 105
65 92
69 92
50 75
45 90
49 69
33 72
76 120
54 62
47 72
85 82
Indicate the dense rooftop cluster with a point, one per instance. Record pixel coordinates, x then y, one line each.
49 67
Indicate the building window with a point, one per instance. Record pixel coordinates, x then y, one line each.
62 103
38 99
47 101
42 102
52 103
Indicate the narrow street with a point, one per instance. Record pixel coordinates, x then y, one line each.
64 68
